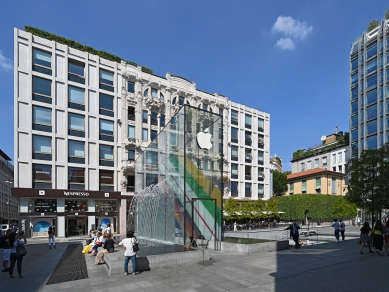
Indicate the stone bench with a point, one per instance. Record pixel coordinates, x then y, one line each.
115 260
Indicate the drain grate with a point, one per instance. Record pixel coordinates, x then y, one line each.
71 266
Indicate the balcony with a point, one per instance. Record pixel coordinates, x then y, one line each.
128 165
260 129
131 141
153 102
248 126
247 142
76 78
130 189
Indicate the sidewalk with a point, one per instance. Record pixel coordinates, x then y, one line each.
323 267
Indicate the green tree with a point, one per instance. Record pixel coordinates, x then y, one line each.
343 209
280 183
231 208
368 175
387 14
299 153
372 25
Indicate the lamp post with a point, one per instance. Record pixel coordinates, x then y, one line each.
9 205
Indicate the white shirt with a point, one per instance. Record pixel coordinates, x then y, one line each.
128 243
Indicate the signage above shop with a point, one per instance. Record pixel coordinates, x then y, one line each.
81 194
49 193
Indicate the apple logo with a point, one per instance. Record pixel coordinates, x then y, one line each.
204 140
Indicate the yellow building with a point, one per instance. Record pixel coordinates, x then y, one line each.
317 181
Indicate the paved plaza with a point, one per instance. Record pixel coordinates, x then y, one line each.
320 267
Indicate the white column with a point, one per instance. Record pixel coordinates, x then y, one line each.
60 226
123 217
91 219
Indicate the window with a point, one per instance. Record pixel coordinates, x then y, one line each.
371 82
371 97
106 130
234 117
324 160
248 121
234 189
354 121
260 191
247 190
106 80
76 98
354 93
371 52
41 62
130 183
354 135
303 186
234 170
234 153
76 71
247 138
354 79
248 156
247 172
220 111
234 135
41 89
302 166
339 157
371 128
372 142
76 149
354 64
260 125
41 147
41 173
340 168
154 118
316 162
131 113
145 116
76 123
261 141
291 188
173 139
131 132
260 157
162 121
333 158
145 134
318 185
106 105
181 100
309 164
354 107
334 186
205 107
106 152
371 67
161 97
371 113
76 205
154 135
76 177
131 154
146 93
41 118
131 86
154 93
205 164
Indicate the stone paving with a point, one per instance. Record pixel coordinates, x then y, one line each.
322 267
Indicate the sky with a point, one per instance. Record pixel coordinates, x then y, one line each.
287 58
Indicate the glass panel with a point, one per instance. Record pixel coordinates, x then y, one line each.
41 115
42 58
318 183
131 87
154 93
181 100
145 117
354 121
371 97
248 120
304 185
41 86
371 51
106 178
354 64
42 172
41 144
354 93
76 205
106 127
76 94
131 132
106 101
371 82
354 107
234 133
105 205
76 67
234 169
106 152
371 112
106 77
76 122
354 135
76 175
145 134
372 142
371 67
131 154
234 115
260 124
354 79
76 148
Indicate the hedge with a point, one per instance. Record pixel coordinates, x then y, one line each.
79 46
319 206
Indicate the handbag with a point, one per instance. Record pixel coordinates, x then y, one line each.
20 250
135 246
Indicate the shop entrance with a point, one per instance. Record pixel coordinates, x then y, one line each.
75 226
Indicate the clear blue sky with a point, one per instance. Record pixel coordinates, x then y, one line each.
287 58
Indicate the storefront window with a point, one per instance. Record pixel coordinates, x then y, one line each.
42 205
76 205
105 205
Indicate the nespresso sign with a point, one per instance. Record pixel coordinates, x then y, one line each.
78 194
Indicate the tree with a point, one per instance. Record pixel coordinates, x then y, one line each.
372 25
368 175
231 208
280 184
387 14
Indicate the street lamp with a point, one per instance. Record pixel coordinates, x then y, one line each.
9 205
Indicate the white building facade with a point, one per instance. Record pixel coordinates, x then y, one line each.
82 120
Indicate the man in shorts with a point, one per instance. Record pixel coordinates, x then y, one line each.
6 250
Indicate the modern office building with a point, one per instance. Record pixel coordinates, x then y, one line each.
82 119
369 90
8 203
331 154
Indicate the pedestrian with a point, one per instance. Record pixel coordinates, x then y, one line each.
14 241
235 227
384 221
342 228
353 222
108 229
294 233
99 228
377 237
359 221
364 237
224 225
108 246
275 223
386 237
129 254
51 237
336 229
4 244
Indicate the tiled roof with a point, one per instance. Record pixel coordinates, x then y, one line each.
311 172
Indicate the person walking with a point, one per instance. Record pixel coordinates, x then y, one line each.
359 221
342 228
294 233
353 222
377 237
336 229
51 237
4 243
365 238
235 227
129 254
14 241
386 237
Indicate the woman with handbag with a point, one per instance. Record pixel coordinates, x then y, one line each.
18 251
